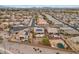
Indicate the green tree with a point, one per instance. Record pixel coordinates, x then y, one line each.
45 41
36 17
1 39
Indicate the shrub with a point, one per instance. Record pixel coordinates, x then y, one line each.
45 41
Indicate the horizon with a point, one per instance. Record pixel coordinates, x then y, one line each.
40 6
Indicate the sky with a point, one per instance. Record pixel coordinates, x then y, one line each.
53 6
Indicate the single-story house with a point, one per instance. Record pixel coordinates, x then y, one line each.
52 32
39 32
41 22
70 31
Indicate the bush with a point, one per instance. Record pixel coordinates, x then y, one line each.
45 41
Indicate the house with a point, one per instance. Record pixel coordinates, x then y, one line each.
17 28
4 25
39 32
20 36
70 31
52 32
19 33
42 22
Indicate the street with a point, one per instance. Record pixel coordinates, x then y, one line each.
17 48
